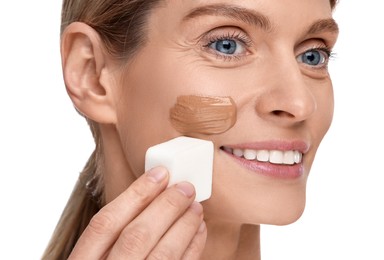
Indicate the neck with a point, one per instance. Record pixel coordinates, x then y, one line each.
232 241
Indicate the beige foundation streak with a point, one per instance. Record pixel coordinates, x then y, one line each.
203 114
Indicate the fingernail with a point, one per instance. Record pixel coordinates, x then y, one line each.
186 188
202 227
157 174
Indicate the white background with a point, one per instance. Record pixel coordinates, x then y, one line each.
44 143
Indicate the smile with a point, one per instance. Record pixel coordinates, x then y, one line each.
289 157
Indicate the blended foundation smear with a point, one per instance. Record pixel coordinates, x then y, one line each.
203 115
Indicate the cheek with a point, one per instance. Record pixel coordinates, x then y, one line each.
143 122
325 109
195 115
320 123
143 109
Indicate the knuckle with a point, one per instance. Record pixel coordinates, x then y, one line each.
173 202
196 247
139 193
192 220
102 223
133 241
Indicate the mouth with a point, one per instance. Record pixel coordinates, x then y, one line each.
272 159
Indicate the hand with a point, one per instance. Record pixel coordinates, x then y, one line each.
147 221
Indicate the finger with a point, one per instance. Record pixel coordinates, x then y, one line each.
196 247
105 227
174 243
144 232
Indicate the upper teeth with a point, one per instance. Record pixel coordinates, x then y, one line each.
272 156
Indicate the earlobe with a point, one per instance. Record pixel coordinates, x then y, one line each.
86 73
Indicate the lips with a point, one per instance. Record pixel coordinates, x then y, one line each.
274 159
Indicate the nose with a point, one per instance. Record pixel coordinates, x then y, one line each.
287 97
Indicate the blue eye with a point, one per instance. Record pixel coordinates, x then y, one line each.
228 47
224 46
314 57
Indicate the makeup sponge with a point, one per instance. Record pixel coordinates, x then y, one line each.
187 159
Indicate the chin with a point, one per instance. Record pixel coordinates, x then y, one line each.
284 212
283 208
286 217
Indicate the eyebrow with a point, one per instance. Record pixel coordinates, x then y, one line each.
255 18
324 25
233 12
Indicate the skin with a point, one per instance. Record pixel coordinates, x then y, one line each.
278 97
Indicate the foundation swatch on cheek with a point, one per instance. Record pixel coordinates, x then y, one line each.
203 115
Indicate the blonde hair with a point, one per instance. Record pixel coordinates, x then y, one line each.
121 25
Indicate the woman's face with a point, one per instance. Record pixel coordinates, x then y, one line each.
270 58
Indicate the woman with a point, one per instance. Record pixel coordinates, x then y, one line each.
128 65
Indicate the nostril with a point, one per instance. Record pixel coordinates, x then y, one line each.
277 112
281 113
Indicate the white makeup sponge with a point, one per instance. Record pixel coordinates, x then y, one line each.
187 159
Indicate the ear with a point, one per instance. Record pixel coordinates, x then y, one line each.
87 73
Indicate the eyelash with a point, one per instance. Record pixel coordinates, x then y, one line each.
325 48
238 37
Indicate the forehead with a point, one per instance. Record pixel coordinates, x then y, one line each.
277 12
292 7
